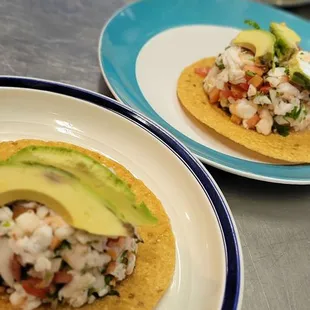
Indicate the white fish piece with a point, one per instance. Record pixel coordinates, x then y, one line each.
28 221
273 81
282 108
264 127
252 91
5 261
287 90
277 72
5 214
262 100
245 109
76 291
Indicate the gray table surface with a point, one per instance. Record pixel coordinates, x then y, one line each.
57 40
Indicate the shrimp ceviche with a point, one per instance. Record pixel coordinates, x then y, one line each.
262 80
70 228
51 262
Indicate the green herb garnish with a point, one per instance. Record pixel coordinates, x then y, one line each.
283 130
91 291
287 71
252 23
124 258
104 270
114 293
64 245
294 114
220 65
250 73
6 224
108 278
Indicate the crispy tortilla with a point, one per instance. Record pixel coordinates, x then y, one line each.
156 256
294 148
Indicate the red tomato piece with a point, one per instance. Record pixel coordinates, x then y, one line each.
265 89
237 92
31 287
203 72
244 86
62 277
214 95
226 93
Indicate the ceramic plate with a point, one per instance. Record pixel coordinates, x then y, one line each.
209 272
146 45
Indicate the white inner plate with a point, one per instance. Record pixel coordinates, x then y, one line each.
158 67
200 273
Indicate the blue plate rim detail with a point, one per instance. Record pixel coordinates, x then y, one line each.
282 174
234 258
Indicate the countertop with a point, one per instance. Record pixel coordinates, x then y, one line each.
57 40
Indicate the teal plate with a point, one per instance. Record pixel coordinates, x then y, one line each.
143 49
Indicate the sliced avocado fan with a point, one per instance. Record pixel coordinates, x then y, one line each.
61 191
260 42
114 192
287 41
299 69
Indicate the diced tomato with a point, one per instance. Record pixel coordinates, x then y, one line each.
257 70
284 79
265 89
203 72
226 93
16 268
62 277
18 210
214 95
55 243
31 287
237 92
235 119
111 267
244 86
256 81
251 122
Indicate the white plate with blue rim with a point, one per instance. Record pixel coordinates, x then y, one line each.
144 47
209 265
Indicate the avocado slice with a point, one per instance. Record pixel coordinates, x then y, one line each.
287 41
114 192
62 192
299 69
260 42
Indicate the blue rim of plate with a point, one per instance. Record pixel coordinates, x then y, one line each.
234 264
121 78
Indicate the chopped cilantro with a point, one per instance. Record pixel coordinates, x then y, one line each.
294 114
52 295
104 270
287 71
108 278
91 291
220 65
114 293
64 245
6 224
283 130
48 276
250 73
124 259
252 23
64 265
